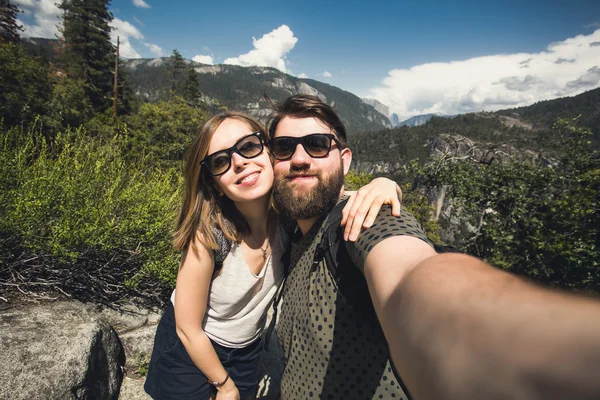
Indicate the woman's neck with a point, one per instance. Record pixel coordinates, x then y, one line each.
256 214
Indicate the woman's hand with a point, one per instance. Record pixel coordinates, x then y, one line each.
228 391
364 205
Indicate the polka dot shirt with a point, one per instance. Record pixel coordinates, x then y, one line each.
334 349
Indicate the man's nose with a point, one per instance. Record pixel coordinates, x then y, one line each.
300 156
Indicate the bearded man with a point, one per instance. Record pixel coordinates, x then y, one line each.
456 328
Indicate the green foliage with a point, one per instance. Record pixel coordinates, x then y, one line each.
190 90
418 205
127 101
176 67
24 85
142 363
69 105
534 220
415 202
80 203
9 28
163 131
183 78
354 181
88 55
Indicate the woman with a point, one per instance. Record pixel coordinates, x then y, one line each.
208 341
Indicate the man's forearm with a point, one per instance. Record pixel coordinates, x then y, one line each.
460 329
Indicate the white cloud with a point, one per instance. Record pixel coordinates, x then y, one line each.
126 50
203 59
140 23
124 30
493 82
45 15
155 49
24 3
594 25
269 51
141 4
303 75
326 74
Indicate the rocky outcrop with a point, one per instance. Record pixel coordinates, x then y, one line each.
71 350
59 351
460 147
373 168
377 105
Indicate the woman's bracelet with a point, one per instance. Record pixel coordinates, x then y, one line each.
217 384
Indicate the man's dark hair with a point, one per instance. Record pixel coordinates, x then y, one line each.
306 106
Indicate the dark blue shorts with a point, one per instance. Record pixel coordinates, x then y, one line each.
173 375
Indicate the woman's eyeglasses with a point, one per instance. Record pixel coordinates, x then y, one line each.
249 146
316 145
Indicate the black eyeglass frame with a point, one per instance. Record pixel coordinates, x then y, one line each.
301 140
234 149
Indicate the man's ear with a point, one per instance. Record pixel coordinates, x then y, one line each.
346 159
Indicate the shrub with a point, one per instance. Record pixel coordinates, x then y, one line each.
415 202
538 221
79 210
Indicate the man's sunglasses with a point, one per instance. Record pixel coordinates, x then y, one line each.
316 145
249 146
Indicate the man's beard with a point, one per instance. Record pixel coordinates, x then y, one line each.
310 203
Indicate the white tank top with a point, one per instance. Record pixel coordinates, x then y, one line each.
238 300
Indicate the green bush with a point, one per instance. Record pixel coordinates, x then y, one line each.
25 85
415 202
79 204
534 220
163 131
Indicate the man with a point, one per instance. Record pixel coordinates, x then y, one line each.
456 328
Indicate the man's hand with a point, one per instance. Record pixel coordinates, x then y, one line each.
363 205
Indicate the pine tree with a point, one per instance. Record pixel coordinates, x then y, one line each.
24 85
127 100
9 29
190 90
88 54
177 69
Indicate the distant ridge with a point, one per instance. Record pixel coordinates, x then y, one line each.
523 130
418 120
242 89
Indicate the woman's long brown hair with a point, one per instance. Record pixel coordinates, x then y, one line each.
203 209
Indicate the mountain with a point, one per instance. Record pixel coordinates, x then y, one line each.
379 106
543 114
518 132
417 120
395 120
243 88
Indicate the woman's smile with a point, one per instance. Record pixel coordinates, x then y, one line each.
250 179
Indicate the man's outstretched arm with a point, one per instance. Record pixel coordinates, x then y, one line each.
460 329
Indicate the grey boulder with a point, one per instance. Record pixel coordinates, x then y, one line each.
59 350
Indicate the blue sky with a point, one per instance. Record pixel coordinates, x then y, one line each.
415 57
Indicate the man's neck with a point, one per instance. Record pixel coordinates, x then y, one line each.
306 224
